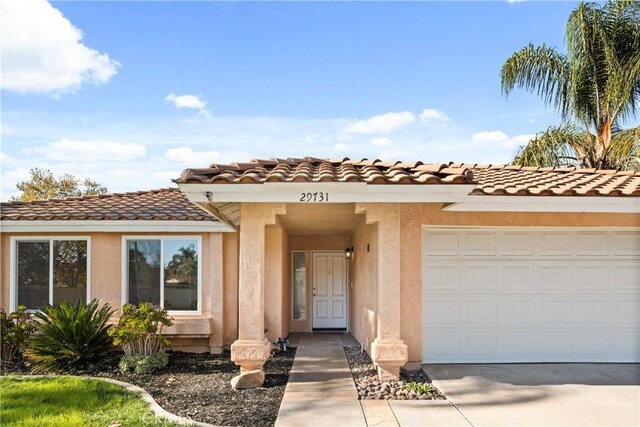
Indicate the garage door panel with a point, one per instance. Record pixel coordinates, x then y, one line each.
443 345
626 243
516 311
480 311
553 243
591 243
515 345
591 276
625 276
553 276
516 243
443 310
479 277
441 243
594 310
626 345
479 243
592 344
516 276
553 310
442 276
480 344
627 310
545 295
553 344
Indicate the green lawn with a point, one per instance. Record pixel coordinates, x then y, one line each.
70 401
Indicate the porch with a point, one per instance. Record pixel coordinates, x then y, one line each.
294 276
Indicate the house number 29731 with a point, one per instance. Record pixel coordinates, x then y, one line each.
314 197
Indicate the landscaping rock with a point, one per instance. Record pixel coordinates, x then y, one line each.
250 379
369 385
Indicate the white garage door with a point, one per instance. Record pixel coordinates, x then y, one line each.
530 295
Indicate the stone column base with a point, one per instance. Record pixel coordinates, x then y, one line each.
250 355
389 355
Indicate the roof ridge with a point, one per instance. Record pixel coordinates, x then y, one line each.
89 196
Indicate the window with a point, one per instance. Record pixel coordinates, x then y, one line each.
299 288
164 271
51 271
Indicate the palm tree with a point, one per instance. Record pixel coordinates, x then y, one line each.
595 87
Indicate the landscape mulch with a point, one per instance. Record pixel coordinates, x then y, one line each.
197 386
370 387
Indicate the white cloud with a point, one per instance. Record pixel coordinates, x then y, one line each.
187 156
42 52
430 115
67 150
499 138
382 123
340 147
187 101
382 141
531 120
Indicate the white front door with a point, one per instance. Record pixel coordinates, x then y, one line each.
329 283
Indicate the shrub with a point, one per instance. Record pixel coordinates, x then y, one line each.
139 333
15 329
143 364
71 338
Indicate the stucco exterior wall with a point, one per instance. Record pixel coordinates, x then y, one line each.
310 244
364 282
230 248
432 214
275 313
202 332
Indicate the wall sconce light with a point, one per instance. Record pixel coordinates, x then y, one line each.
348 253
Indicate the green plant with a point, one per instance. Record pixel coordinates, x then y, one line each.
141 364
15 329
595 87
71 337
139 330
421 388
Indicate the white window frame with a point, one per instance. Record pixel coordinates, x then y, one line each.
125 267
13 270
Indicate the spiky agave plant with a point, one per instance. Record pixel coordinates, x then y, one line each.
71 338
595 87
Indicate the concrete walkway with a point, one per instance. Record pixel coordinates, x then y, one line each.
321 392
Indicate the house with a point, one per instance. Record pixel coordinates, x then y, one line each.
427 263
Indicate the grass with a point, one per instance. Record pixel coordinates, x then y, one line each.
71 401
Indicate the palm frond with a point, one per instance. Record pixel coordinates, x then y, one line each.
624 151
557 146
541 70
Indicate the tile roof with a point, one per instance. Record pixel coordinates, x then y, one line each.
165 204
310 169
489 179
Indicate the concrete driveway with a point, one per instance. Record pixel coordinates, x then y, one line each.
542 394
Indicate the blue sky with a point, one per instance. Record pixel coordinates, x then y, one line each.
150 88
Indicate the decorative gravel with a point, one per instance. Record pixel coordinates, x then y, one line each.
196 386
370 387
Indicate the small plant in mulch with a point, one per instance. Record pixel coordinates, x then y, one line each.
139 334
412 385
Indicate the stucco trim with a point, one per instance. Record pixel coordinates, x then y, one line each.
338 192
112 226
604 204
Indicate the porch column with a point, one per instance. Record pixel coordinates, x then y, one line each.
389 352
252 349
